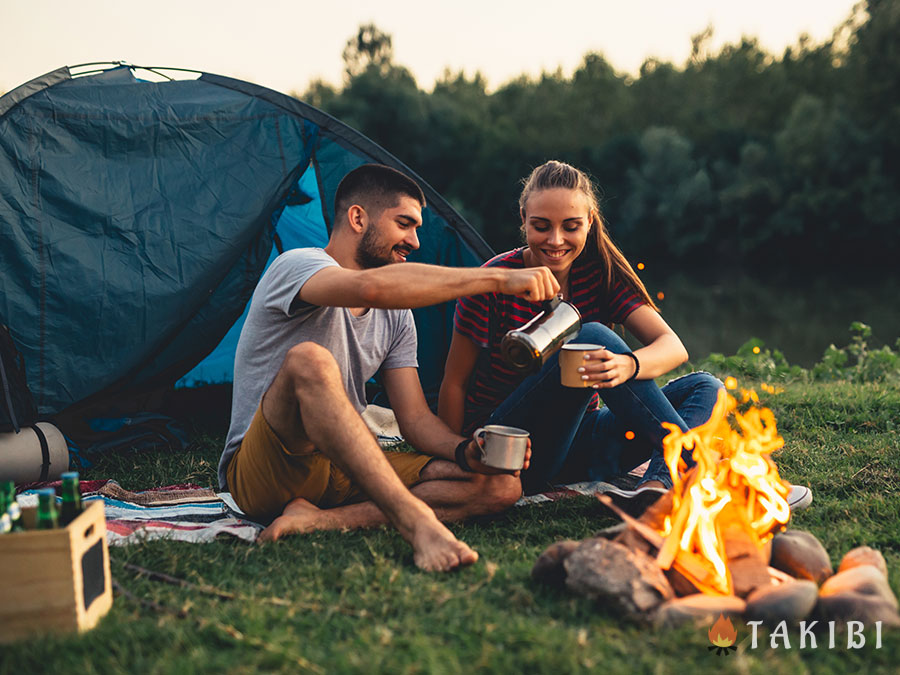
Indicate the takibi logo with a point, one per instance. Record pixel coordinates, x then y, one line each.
723 636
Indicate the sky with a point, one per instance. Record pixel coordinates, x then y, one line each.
286 44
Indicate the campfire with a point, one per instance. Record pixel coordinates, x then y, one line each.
716 542
731 502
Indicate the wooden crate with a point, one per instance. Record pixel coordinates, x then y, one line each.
54 581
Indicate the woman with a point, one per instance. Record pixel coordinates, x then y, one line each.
572 437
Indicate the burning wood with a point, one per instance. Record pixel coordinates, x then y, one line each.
688 565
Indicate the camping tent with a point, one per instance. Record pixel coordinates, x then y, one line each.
139 207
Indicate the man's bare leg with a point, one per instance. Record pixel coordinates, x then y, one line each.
307 406
450 491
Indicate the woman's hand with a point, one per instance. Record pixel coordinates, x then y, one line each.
473 457
603 369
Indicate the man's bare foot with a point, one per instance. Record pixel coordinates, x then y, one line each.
435 549
299 516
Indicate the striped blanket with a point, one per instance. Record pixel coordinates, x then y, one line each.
587 488
199 515
179 512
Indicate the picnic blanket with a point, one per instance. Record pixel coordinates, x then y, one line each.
196 514
180 512
191 513
587 488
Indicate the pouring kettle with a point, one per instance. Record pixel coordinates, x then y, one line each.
528 347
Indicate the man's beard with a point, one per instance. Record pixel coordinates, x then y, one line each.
371 252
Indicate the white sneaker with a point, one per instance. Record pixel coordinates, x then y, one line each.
799 498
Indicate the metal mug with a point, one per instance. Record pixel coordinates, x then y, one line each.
529 347
503 447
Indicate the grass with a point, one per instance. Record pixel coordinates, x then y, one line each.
353 602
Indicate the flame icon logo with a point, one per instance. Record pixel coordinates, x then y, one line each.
723 636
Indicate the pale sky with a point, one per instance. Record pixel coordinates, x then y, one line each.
285 44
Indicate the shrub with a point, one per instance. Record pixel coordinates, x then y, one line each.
855 362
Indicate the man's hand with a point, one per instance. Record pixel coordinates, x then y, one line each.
473 457
535 284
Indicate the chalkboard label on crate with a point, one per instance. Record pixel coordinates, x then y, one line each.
93 578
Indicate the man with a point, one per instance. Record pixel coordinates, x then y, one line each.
321 323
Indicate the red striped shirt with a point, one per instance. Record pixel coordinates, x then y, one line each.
486 318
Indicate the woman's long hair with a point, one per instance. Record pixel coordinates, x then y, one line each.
554 174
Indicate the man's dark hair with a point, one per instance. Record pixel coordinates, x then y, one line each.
375 187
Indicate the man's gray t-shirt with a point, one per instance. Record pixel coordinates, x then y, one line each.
277 320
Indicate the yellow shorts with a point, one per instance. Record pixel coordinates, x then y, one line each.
263 475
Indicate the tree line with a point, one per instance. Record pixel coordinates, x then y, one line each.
738 156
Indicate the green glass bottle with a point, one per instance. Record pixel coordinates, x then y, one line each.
47 518
8 488
5 520
71 498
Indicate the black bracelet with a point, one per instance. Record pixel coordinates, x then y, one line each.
460 455
637 366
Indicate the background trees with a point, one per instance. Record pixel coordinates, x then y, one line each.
737 155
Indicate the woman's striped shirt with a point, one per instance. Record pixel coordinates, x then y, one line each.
486 318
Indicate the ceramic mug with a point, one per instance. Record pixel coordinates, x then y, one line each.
571 358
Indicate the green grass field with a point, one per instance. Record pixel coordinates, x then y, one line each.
354 602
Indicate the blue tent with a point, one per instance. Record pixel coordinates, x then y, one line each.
138 213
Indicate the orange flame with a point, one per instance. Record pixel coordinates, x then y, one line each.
732 452
722 632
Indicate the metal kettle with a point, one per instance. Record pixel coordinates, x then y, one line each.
528 347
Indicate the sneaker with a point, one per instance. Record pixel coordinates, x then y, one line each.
635 502
799 498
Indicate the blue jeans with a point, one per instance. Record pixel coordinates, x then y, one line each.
570 442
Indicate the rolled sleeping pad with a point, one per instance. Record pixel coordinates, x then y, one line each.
36 453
